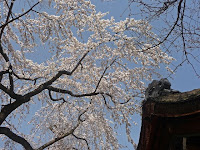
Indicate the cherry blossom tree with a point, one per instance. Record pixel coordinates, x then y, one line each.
70 75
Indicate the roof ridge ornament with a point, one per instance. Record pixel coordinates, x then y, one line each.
159 88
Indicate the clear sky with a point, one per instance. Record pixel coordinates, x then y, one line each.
184 79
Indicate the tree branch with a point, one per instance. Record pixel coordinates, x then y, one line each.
7 22
2 73
7 109
6 131
80 61
105 102
172 28
59 138
60 73
24 78
82 139
71 132
8 16
103 74
9 92
58 90
57 99
11 82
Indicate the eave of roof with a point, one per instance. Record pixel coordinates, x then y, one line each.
174 105
178 97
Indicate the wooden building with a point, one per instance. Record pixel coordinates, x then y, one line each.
171 122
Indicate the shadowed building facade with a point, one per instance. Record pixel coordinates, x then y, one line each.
171 122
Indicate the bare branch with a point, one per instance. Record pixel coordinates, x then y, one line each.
47 83
164 8
82 139
106 102
11 82
57 99
79 63
104 74
2 73
177 19
195 71
6 131
125 101
70 92
182 28
79 117
175 69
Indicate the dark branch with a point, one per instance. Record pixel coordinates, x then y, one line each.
82 139
6 131
79 63
7 109
11 82
80 115
9 92
106 102
2 73
103 74
24 78
176 68
8 16
7 22
172 28
55 99
46 84
58 90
